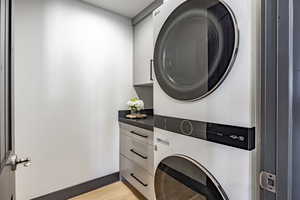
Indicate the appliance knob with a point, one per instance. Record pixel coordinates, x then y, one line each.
186 127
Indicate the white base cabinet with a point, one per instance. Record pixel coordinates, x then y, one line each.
136 159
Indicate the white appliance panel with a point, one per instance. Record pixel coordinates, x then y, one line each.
232 103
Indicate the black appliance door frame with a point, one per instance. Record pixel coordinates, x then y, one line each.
201 168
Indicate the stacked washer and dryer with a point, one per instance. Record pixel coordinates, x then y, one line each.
204 99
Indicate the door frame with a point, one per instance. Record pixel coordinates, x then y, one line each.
276 96
7 100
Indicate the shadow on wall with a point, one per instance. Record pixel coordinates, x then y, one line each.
146 94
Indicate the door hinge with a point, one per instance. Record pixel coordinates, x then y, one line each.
268 181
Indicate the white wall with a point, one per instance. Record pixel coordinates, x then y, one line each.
73 73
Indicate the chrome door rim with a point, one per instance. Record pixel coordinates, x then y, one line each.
233 56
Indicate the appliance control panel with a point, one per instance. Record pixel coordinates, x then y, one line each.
239 137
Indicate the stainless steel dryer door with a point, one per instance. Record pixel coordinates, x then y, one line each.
180 178
195 49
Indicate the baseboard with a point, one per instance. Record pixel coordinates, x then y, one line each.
81 188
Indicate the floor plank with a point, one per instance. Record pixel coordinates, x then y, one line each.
115 191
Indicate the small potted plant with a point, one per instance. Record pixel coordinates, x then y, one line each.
135 105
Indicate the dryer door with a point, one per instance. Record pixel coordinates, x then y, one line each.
180 178
195 49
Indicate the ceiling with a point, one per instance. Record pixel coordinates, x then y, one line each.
128 8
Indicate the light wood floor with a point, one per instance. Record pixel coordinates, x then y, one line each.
115 191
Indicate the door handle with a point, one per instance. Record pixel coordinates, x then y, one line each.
14 161
151 70
165 142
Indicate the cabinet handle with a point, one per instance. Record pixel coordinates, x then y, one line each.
135 133
151 70
163 141
140 155
138 180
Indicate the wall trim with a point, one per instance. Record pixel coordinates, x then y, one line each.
81 188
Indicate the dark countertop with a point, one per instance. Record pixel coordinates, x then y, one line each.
147 123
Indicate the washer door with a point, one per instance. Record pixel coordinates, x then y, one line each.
195 49
180 178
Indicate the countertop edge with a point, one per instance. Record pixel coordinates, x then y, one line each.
147 123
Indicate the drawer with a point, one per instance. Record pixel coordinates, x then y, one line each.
138 152
138 177
140 134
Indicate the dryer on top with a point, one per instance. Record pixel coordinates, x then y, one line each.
205 60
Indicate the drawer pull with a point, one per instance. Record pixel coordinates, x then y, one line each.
138 180
135 133
163 141
140 155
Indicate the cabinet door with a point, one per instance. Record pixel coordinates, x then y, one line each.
143 51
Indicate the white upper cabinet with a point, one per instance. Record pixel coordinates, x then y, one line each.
143 52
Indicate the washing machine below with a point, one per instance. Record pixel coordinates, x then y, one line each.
203 161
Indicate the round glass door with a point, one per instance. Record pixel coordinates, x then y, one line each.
195 49
180 178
